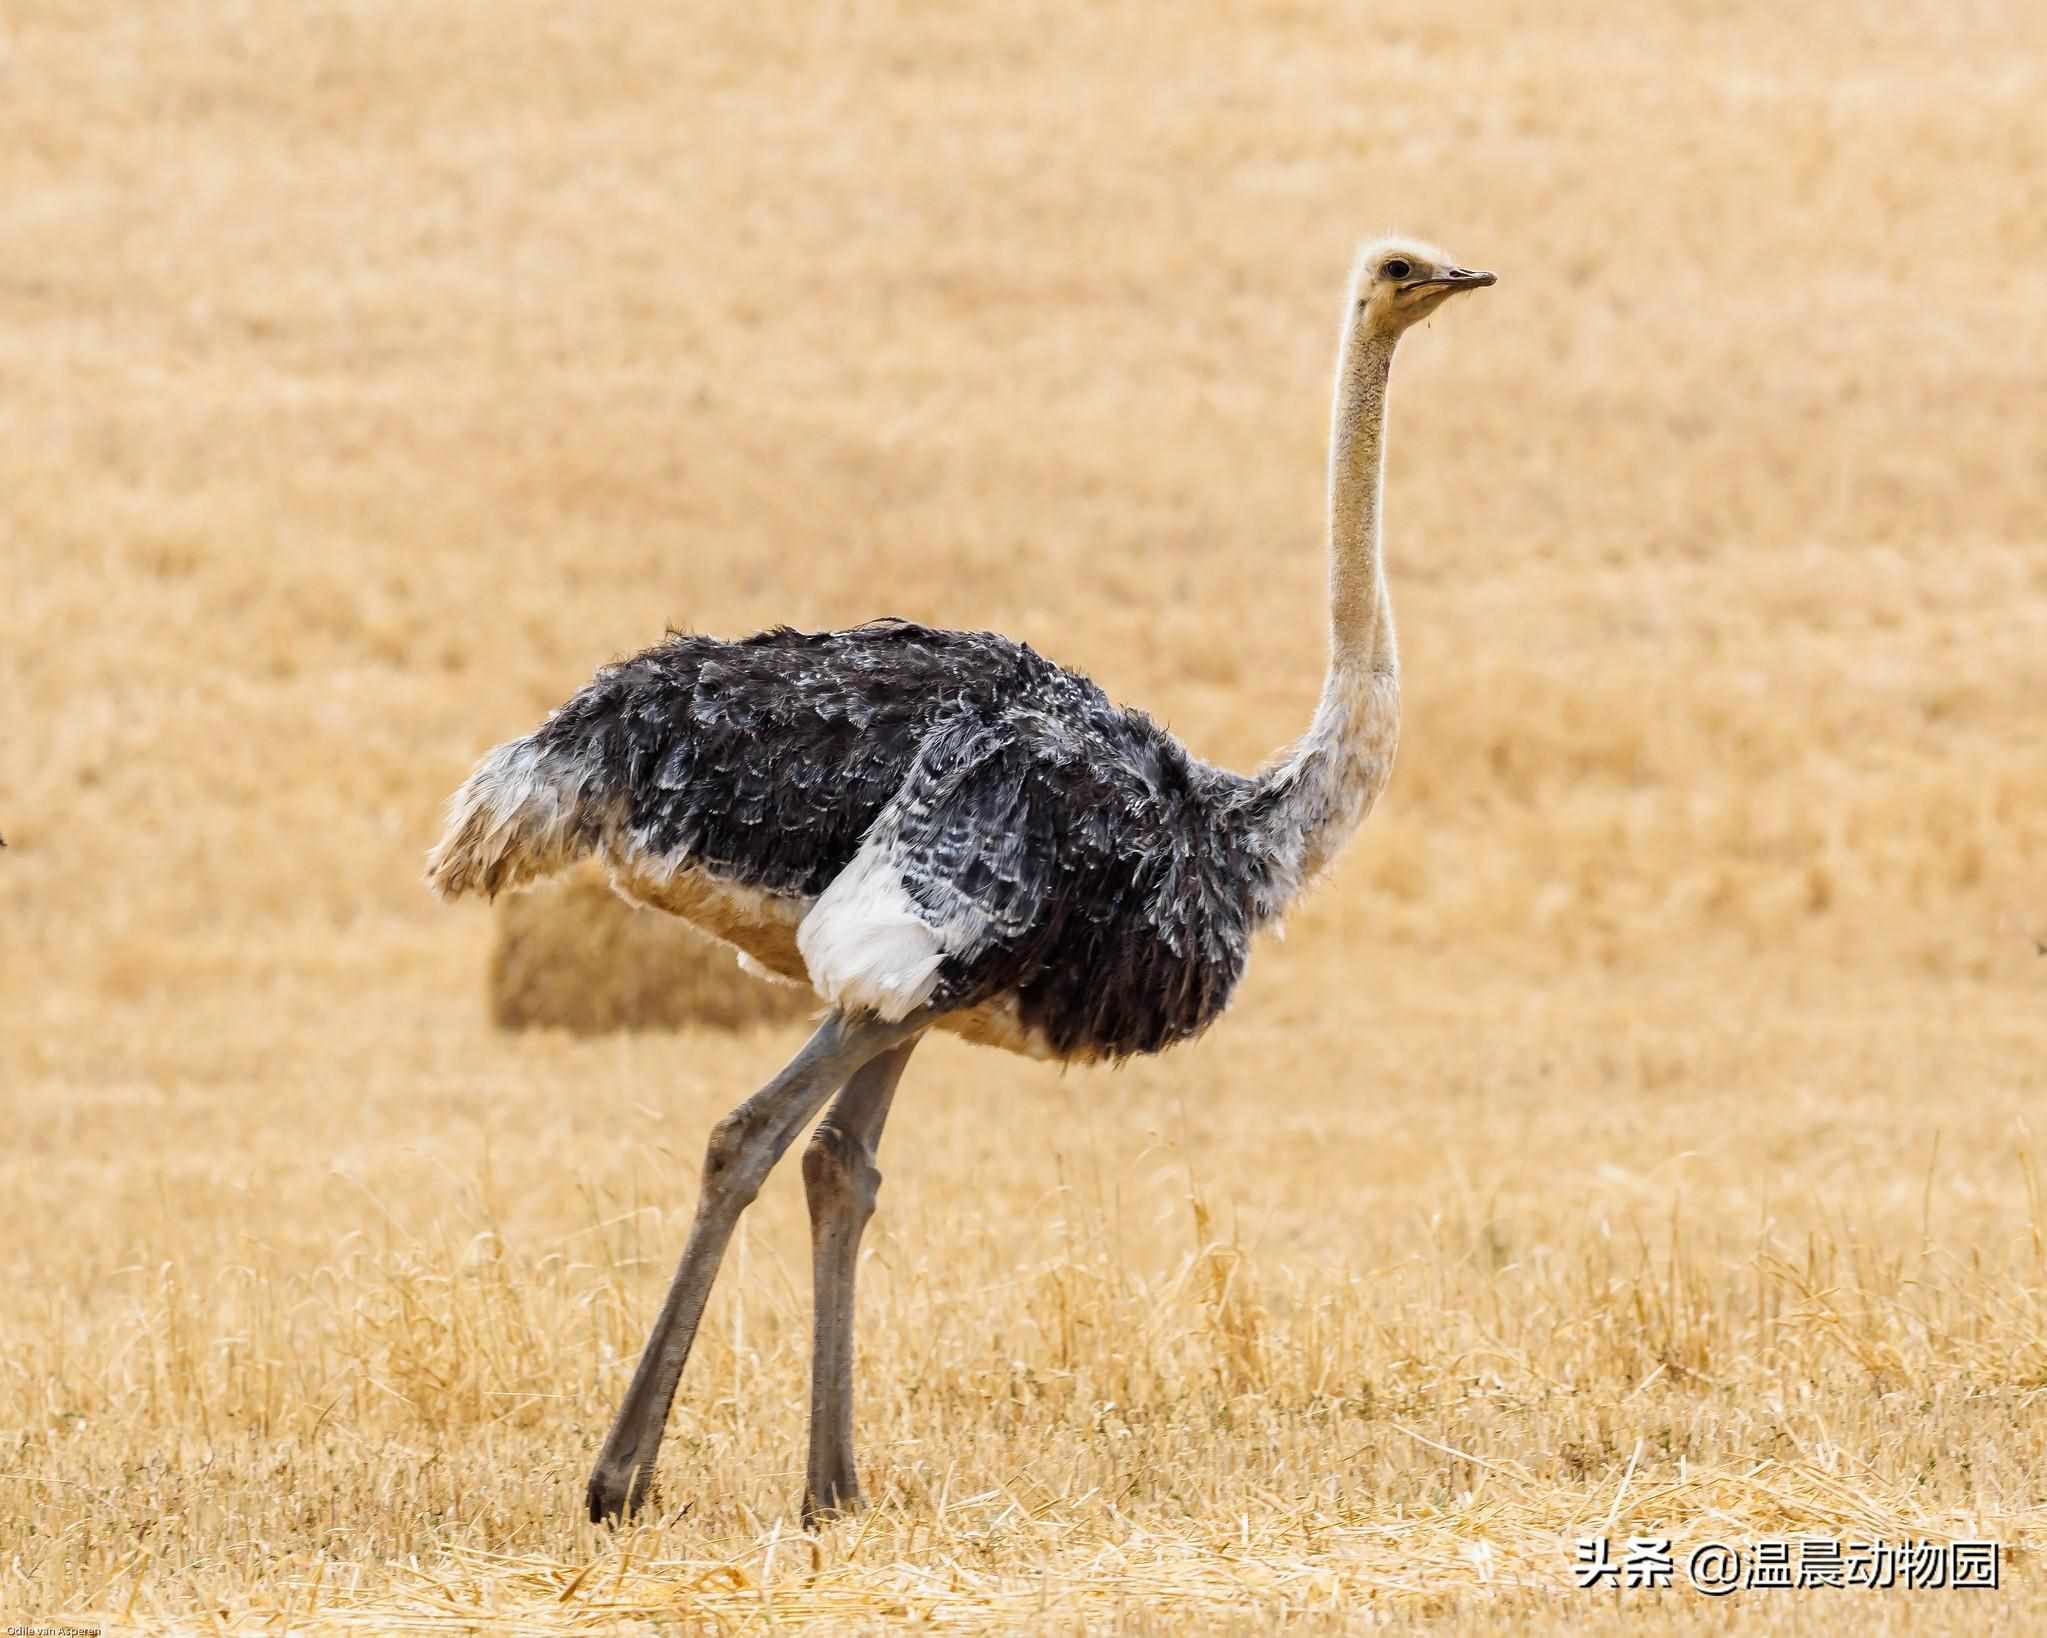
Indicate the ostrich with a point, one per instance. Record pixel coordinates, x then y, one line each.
940 830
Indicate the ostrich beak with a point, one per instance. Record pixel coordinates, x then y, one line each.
1461 278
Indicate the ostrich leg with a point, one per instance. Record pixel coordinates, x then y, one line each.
840 1180
743 1149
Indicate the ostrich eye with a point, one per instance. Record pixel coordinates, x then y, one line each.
1398 268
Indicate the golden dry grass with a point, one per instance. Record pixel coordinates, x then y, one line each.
1637 1132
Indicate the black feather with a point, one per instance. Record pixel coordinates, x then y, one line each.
1110 870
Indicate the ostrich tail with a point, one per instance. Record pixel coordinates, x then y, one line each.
522 815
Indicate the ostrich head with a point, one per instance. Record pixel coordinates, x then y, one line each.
1399 282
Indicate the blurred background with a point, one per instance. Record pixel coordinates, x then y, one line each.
371 372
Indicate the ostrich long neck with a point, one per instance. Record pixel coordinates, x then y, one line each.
1317 794
1360 614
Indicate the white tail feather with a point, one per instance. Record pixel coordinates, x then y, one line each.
515 820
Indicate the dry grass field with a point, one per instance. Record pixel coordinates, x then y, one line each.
1640 1134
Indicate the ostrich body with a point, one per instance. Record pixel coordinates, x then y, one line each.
940 830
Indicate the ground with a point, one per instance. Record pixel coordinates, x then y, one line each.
1635 1137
